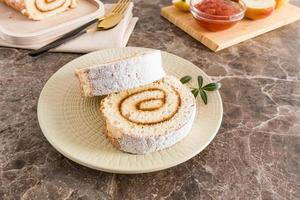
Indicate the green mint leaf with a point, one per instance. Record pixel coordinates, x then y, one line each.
212 86
200 81
203 96
185 79
195 92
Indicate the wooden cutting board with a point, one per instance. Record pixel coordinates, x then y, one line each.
242 31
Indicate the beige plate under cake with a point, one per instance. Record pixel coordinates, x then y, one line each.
73 125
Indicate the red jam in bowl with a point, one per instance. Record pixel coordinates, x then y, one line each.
217 15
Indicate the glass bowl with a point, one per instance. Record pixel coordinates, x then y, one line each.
219 21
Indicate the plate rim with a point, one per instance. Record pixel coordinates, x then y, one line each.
125 171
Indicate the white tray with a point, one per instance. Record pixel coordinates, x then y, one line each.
18 30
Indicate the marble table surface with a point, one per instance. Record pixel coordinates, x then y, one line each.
255 155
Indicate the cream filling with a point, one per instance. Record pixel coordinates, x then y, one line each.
85 86
150 114
45 6
40 9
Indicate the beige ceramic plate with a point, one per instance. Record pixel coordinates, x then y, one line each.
73 125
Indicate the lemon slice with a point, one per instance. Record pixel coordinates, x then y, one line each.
183 5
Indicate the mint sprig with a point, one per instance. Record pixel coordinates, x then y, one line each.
201 90
185 79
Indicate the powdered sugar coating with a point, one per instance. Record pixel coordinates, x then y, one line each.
126 74
122 74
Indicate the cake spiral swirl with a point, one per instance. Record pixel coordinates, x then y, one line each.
150 117
40 9
150 106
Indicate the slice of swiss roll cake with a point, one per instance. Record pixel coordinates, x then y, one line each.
40 9
150 117
121 74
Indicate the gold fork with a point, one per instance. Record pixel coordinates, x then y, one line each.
110 20
114 16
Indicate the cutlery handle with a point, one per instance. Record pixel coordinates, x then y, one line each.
66 37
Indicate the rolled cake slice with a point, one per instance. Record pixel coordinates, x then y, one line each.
149 118
121 74
40 9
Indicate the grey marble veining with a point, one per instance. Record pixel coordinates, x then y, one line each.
255 155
